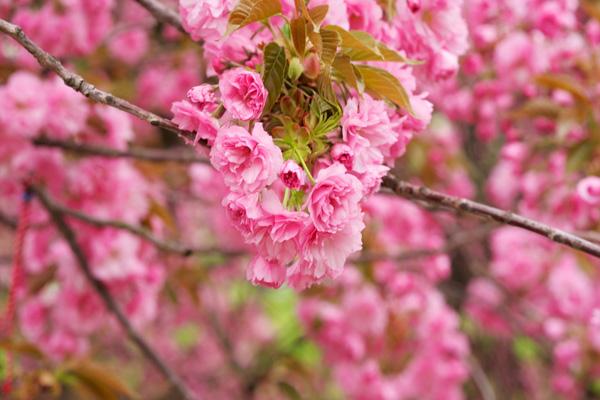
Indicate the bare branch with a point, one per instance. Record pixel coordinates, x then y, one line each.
481 380
77 83
415 192
104 293
163 245
185 157
162 13
8 221
456 241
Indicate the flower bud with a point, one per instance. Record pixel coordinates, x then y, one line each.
295 69
312 66
589 190
343 154
292 175
414 5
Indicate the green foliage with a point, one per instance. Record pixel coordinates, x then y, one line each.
296 199
325 116
295 69
525 348
187 336
274 72
280 306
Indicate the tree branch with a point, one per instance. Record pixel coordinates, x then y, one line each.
163 245
455 241
162 13
135 153
401 188
8 221
414 192
77 83
104 293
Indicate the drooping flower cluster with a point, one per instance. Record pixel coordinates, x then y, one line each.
307 118
410 345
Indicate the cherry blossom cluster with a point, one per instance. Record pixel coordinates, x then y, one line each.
526 88
299 154
62 315
408 318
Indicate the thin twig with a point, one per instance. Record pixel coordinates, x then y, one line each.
163 245
77 83
421 193
162 13
104 293
457 240
8 221
481 380
156 155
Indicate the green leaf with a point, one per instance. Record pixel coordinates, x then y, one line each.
295 69
344 71
325 116
318 13
274 72
187 336
330 40
383 85
525 348
289 391
298 31
580 155
249 11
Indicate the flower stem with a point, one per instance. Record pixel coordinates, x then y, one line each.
286 197
310 177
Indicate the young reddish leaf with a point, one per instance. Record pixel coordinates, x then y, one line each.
356 46
249 11
566 83
274 72
393 56
98 381
318 13
302 10
298 31
317 41
383 85
361 46
344 71
330 41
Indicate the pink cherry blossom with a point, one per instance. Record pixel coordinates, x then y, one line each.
263 272
248 162
191 117
334 199
243 92
292 175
